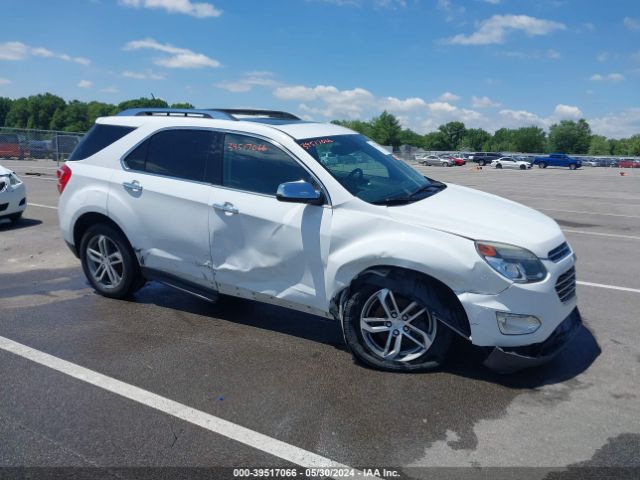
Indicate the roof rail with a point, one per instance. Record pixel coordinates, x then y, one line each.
238 113
176 112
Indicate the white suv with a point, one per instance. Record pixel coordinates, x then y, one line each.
317 218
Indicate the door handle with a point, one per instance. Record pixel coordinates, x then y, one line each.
133 186
227 207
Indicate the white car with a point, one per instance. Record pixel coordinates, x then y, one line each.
13 195
510 162
247 203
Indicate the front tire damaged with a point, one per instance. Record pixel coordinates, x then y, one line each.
404 342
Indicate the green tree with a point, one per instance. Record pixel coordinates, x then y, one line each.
433 141
451 135
474 139
599 145
142 102
386 130
5 106
18 114
634 145
359 126
409 137
502 141
182 105
529 140
99 109
569 136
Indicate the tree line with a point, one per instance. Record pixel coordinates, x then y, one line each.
51 112
566 136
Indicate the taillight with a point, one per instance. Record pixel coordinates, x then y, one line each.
64 175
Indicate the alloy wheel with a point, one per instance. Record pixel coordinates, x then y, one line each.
104 260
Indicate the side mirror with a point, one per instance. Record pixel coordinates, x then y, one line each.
299 192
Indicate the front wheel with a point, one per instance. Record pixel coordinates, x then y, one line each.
109 262
482 163
393 328
523 167
542 165
573 166
499 165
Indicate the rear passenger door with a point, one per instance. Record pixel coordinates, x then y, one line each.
161 198
263 248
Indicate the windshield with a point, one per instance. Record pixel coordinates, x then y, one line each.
368 171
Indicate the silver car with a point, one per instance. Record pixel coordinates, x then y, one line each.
435 160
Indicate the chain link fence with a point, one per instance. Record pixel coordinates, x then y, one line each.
28 144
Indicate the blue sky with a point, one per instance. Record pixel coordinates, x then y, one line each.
489 63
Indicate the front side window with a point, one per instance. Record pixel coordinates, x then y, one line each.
368 171
181 153
258 166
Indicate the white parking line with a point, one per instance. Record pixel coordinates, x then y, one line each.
41 206
587 213
610 287
253 439
600 234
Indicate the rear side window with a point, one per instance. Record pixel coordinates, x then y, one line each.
255 165
99 137
184 154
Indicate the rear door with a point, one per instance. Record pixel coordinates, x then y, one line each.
161 198
260 247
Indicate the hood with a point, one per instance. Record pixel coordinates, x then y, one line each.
481 216
4 171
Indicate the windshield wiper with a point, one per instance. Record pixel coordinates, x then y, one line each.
433 187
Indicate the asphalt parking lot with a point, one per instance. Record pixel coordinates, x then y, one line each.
288 376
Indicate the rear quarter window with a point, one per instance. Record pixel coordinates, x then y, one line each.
98 138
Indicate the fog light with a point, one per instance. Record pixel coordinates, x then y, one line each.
514 324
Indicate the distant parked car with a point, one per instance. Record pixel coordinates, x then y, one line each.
510 162
435 160
13 195
63 145
485 158
38 149
558 160
628 163
458 160
10 146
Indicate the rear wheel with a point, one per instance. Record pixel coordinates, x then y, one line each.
498 165
572 166
543 165
109 263
482 163
523 167
393 328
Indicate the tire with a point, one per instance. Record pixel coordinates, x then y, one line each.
15 218
499 165
572 166
523 167
543 165
123 276
444 164
369 347
482 163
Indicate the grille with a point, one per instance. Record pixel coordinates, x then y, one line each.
566 285
559 252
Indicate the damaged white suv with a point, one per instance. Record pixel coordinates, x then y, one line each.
317 218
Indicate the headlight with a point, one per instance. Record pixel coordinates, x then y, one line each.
514 263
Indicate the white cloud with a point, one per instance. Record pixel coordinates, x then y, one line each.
179 58
14 51
146 75
610 78
450 10
198 10
250 80
85 84
484 102
110 89
632 23
4 81
617 125
393 104
448 97
567 112
333 102
495 29
520 118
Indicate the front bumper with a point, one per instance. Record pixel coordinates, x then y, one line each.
12 201
511 359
